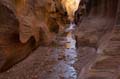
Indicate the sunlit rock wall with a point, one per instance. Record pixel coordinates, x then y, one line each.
70 6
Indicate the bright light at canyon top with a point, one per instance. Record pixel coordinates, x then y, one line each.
70 6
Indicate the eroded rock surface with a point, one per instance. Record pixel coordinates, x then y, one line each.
25 24
99 30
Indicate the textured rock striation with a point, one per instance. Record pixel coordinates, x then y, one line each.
98 40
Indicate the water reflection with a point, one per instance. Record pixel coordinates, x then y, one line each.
65 67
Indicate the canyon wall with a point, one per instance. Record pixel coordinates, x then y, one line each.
99 40
26 24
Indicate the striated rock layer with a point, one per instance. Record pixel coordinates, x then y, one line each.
98 40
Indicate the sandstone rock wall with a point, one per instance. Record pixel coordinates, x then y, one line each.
71 7
25 24
99 31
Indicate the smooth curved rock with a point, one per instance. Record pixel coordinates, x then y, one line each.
26 24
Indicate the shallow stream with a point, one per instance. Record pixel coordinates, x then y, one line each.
67 56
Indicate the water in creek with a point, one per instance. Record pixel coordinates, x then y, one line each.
67 57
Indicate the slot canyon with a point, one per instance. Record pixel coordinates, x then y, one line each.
59 39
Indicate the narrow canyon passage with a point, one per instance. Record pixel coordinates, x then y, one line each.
54 63
59 39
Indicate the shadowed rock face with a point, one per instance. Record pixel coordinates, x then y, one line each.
25 24
99 20
99 30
